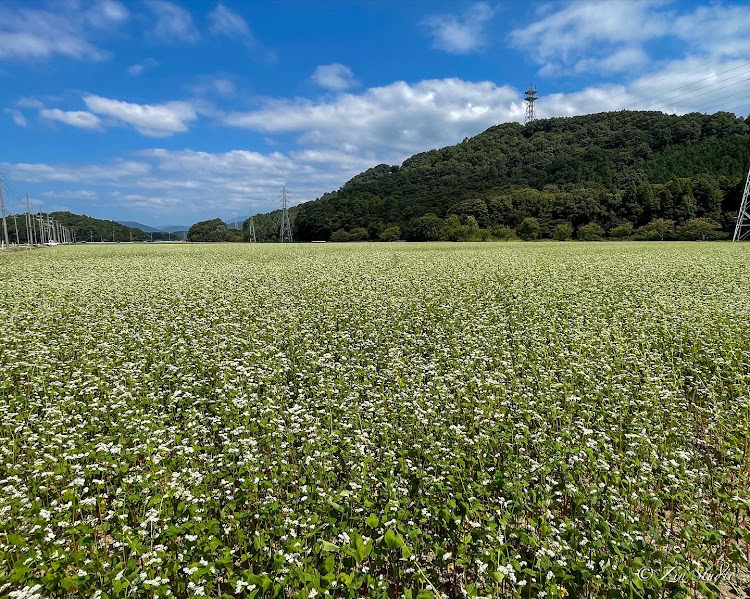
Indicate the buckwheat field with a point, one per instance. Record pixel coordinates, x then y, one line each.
392 420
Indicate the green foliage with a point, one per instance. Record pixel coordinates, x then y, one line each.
267 226
359 234
699 229
392 233
504 233
84 228
341 236
659 228
590 232
214 230
622 231
607 168
425 228
529 229
454 230
562 232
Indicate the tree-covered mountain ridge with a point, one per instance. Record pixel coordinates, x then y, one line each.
596 175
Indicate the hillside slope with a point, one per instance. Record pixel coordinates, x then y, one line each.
86 228
608 169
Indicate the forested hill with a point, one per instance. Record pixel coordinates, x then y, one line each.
608 171
83 228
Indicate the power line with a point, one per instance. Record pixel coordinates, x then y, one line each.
711 91
660 79
688 85
721 100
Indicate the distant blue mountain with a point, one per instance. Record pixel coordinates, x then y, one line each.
148 229
175 228
135 225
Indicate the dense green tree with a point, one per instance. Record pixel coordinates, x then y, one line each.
632 209
646 200
699 229
562 232
476 208
504 233
359 234
340 236
390 233
214 230
424 228
622 231
454 230
590 232
529 229
659 228
708 199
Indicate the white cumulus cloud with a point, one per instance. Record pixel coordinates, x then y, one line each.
74 118
334 76
460 34
223 21
172 23
69 29
153 120
400 117
610 36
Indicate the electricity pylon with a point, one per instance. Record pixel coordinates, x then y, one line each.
530 98
742 228
251 231
285 233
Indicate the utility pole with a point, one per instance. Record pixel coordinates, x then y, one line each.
28 229
285 234
742 229
2 208
15 225
31 232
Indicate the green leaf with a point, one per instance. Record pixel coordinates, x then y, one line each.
372 520
393 540
326 546
362 549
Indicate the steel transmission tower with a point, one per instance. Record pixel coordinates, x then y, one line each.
742 229
530 98
251 231
285 234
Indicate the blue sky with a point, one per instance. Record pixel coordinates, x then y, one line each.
173 112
